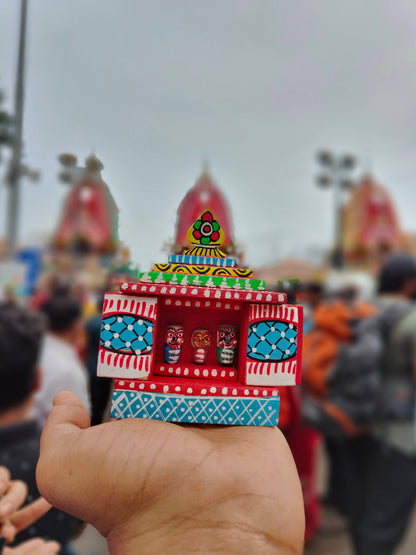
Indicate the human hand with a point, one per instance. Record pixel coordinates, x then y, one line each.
12 496
154 487
33 547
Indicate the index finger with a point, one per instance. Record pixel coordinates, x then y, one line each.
13 499
4 479
36 546
30 514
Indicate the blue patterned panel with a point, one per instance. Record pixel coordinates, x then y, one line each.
230 411
271 341
127 334
202 260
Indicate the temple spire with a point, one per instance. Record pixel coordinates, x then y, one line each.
206 168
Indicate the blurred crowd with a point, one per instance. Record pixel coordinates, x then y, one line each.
48 343
356 402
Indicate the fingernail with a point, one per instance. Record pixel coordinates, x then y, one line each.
6 509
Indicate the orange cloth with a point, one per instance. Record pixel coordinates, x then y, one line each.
321 344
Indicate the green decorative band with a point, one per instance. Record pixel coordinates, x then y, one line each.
203 281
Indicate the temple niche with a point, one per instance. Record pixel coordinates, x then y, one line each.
370 226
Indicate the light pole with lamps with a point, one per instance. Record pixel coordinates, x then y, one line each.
336 173
13 127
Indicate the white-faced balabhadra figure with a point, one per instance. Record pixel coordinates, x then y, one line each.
200 341
226 344
173 343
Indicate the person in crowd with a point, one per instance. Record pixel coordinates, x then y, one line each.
82 290
21 333
47 286
61 366
332 328
303 440
155 487
8 294
100 388
311 295
390 469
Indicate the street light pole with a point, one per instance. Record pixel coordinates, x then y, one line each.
335 173
15 163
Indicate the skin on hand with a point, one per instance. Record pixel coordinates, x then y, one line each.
154 487
34 547
14 493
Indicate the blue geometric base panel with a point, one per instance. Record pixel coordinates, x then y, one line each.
229 411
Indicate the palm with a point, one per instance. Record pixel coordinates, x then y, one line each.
149 475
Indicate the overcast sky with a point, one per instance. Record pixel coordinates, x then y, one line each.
254 87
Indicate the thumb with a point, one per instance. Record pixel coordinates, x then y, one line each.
68 414
62 430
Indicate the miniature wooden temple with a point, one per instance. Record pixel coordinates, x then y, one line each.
198 340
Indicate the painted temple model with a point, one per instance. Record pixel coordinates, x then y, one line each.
198 340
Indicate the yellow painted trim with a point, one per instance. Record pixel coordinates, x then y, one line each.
203 270
205 251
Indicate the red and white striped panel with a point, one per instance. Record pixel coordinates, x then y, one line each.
116 365
271 373
128 304
289 313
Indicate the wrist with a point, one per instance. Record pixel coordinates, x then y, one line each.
196 537
198 541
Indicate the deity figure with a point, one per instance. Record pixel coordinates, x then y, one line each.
226 344
200 341
173 343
